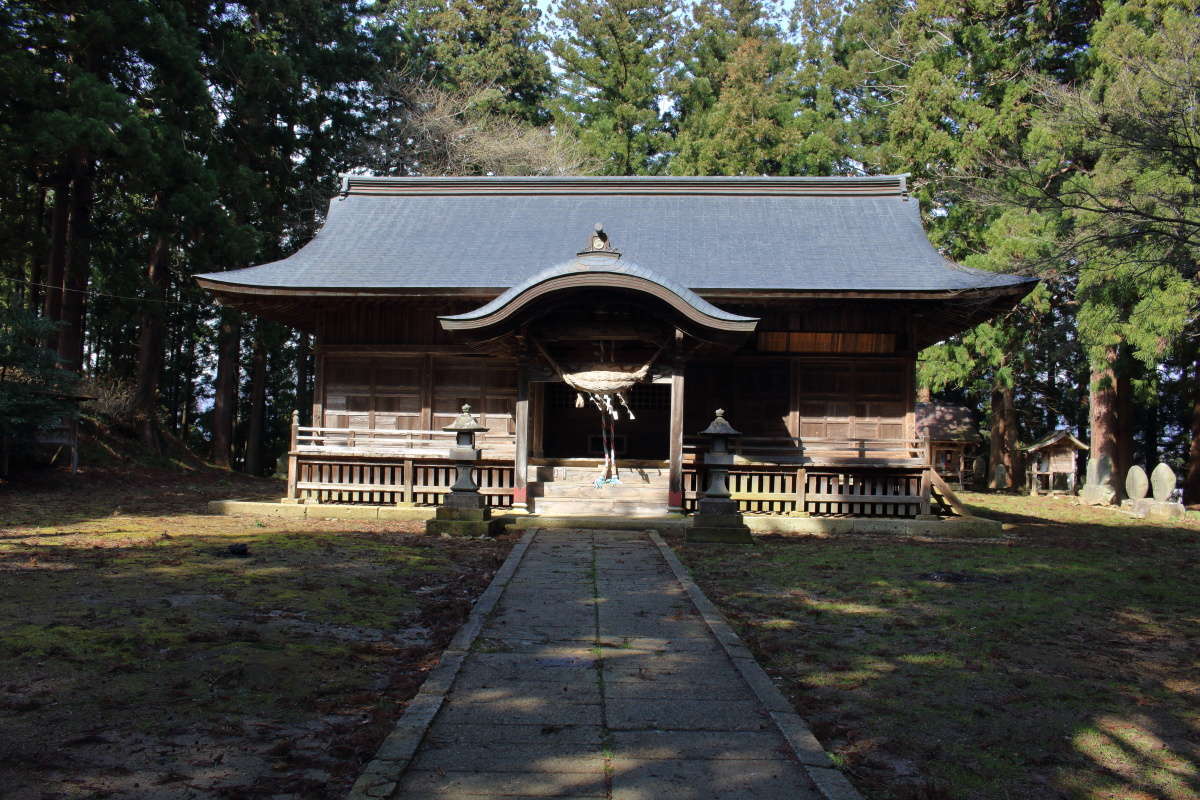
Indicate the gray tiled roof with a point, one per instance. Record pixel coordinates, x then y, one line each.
826 234
943 423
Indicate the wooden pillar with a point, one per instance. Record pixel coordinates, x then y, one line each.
426 418
318 397
801 491
293 464
410 480
537 406
521 450
675 481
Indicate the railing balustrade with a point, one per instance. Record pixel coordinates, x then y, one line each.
372 441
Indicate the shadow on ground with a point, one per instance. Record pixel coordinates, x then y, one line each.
1059 664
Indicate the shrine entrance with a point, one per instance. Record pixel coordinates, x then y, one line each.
573 432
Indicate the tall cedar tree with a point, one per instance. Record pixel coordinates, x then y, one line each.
614 56
1118 158
491 48
960 79
734 105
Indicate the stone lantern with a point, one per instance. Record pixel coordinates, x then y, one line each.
465 492
464 512
717 518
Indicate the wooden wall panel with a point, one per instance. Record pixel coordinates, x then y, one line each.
416 392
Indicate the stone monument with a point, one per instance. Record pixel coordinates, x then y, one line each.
1162 483
979 472
1136 483
717 518
999 477
1099 489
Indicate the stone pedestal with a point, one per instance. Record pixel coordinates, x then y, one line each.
1149 508
718 520
453 521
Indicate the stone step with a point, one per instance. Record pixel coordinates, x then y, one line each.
587 491
569 507
644 476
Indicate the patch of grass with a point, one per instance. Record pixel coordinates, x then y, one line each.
133 636
1066 665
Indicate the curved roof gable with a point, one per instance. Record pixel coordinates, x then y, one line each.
600 270
705 234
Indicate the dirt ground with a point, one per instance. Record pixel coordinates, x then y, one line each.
1060 660
148 650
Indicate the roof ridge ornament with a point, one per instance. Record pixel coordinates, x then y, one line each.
599 242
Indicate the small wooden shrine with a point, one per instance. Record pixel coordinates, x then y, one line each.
1052 463
594 324
953 440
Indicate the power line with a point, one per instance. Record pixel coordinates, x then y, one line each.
95 293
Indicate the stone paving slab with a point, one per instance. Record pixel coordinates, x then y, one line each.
598 670
439 785
657 745
472 734
640 713
705 779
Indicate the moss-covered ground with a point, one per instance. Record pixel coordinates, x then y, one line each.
150 650
1060 660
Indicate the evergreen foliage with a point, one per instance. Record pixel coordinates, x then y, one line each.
615 56
143 142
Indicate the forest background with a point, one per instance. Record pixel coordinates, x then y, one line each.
144 141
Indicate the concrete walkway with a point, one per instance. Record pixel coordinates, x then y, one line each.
597 675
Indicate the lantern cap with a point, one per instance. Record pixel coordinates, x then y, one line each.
465 423
720 426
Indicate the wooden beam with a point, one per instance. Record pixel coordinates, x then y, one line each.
950 496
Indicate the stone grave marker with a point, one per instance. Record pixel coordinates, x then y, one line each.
999 477
1162 480
1136 483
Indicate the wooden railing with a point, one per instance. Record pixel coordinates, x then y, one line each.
787 450
820 491
868 478
375 466
377 441
330 479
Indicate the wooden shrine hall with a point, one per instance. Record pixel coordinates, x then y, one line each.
593 325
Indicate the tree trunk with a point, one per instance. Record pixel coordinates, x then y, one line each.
1103 411
1124 434
75 283
187 387
37 264
56 263
225 391
150 341
1191 483
1003 445
1151 432
258 403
